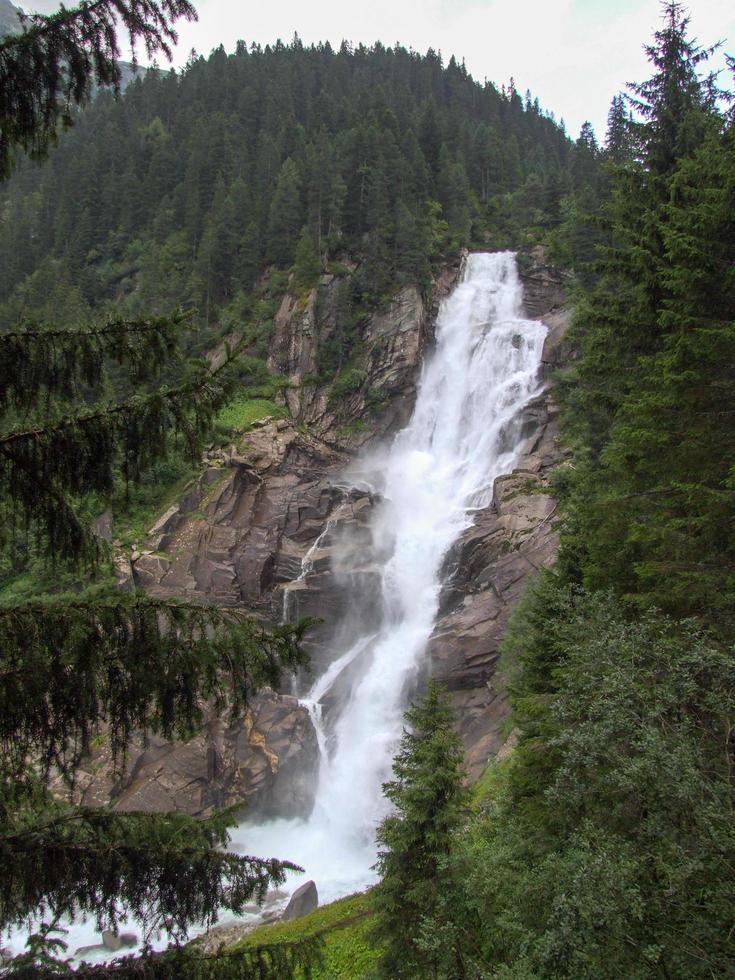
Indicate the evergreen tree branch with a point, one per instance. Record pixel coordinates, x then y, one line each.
79 454
292 960
167 870
130 663
53 63
41 362
65 533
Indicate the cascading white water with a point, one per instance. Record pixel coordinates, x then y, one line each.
463 434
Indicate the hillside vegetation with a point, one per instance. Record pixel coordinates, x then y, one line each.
189 187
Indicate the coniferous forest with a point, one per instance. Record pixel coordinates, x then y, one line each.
141 229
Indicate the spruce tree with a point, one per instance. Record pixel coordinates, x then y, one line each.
413 906
654 484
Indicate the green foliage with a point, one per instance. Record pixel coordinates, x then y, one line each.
616 807
307 265
190 186
134 663
347 383
136 507
281 961
413 917
72 451
651 395
41 363
168 870
240 413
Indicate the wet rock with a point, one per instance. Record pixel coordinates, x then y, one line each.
544 285
111 940
304 900
223 765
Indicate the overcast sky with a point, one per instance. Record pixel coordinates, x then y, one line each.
575 55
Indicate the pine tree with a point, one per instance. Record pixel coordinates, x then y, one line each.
69 664
307 265
413 899
285 218
618 136
618 323
675 103
654 481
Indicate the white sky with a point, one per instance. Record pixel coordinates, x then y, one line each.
575 55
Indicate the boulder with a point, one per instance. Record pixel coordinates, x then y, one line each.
111 940
304 900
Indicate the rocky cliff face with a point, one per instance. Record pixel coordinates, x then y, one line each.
392 343
9 18
259 528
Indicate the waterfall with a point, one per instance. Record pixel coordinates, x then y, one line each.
464 433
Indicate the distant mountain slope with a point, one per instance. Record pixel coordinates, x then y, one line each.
192 185
8 17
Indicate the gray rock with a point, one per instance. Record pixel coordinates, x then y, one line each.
304 900
103 526
166 522
83 950
111 940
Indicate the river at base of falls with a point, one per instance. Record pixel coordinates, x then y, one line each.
464 432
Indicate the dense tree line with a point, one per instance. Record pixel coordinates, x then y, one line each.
187 188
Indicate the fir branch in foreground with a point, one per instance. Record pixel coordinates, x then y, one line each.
275 961
38 363
79 454
167 870
131 663
54 62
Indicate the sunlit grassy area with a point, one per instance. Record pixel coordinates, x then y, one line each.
239 414
344 927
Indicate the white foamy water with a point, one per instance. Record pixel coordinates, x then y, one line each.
463 434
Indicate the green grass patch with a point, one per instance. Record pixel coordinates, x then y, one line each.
344 927
239 414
